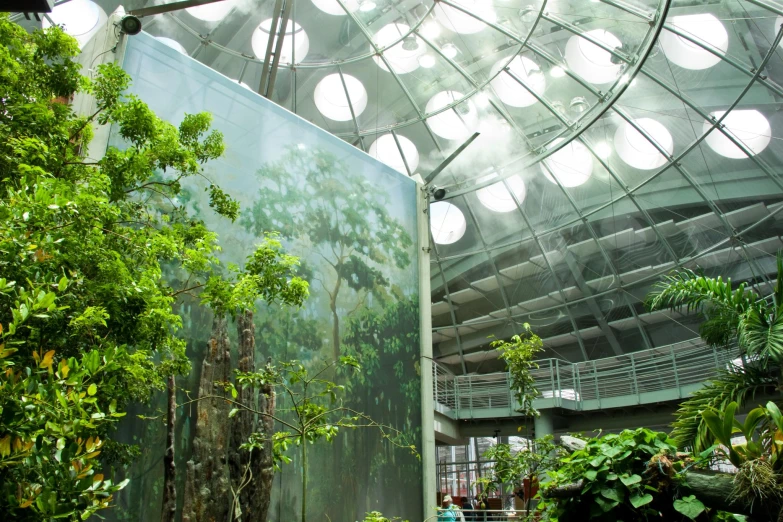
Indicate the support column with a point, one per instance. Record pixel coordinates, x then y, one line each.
544 424
428 456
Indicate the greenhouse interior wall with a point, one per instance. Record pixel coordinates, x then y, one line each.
293 178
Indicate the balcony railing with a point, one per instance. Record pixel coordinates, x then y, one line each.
660 374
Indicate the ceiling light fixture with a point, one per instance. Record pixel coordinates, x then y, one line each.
449 50
749 127
385 150
557 71
639 152
455 123
590 61
461 22
447 223
260 40
603 150
509 90
427 61
497 198
214 12
703 27
403 56
571 166
331 100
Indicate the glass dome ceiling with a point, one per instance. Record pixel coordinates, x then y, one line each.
619 139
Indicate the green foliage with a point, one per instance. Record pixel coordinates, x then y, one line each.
758 458
737 384
519 354
689 506
512 466
732 315
619 479
86 313
50 412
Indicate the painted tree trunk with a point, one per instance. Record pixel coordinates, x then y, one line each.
207 487
169 509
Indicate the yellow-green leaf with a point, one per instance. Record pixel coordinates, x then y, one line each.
92 389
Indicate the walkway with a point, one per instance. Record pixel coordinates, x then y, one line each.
646 377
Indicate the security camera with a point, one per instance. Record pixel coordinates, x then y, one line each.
130 25
439 194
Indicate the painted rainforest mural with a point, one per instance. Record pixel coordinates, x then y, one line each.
351 222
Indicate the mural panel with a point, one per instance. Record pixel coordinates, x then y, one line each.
352 221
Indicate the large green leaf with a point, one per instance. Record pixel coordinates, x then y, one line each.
638 501
689 506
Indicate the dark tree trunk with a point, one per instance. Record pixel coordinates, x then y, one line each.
169 509
250 474
263 464
207 487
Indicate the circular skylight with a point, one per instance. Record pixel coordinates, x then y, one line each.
333 7
447 223
261 39
750 127
461 22
331 100
509 90
497 198
572 165
591 62
455 123
687 54
638 151
404 56
385 150
79 18
212 12
172 43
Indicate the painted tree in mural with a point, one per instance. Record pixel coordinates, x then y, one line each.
390 386
314 200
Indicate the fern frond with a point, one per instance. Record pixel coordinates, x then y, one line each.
735 385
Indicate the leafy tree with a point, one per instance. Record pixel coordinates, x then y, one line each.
87 316
733 315
513 466
519 354
314 199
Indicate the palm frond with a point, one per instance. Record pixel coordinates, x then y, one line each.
762 337
738 384
695 292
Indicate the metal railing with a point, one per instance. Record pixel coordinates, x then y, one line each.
656 375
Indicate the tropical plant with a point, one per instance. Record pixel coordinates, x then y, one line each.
318 413
516 466
519 354
733 315
86 313
757 458
614 477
